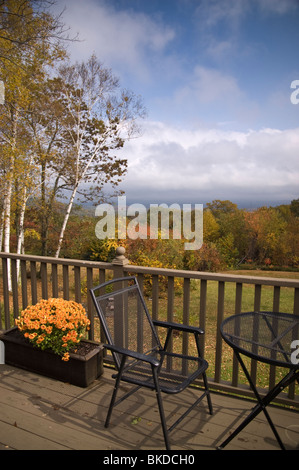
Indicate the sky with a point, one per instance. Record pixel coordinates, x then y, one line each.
215 77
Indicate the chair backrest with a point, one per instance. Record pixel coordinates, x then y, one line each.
124 316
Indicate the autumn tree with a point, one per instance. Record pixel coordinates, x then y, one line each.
220 208
290 243
24 65
232 236
211 229
25 25
295 207
266 226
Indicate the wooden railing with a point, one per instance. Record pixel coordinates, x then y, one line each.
195 298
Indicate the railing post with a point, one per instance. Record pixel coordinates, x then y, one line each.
119 262
120 311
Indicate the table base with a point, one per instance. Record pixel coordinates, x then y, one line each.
292 375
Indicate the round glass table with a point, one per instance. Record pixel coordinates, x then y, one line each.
268 337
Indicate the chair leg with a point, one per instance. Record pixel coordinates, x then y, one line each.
161 408
205 381
112 403
204 376
113 398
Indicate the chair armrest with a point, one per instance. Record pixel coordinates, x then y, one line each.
178 326
133 354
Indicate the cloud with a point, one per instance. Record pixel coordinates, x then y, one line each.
209 85
212 12
203 165
121 39
211 97
279 7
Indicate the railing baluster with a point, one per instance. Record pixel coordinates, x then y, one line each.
54 280
276 298
24 284
5 292
139 332
220 316
276 302
65 276
257 297
14 285
170 304
202 313
296 301
77 284
238 309
155 297
170 298
102 279
155 300
140 280
90 308
44 279
186 318
33 282
257 307
102 276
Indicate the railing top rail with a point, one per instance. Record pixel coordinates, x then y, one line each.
271 281
238 278
52 260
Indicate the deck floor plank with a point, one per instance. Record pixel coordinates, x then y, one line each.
40 413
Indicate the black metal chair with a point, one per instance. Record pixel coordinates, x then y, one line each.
139 356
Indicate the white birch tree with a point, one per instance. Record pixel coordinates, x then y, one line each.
100 118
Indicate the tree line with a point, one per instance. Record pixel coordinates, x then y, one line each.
61 125
266 238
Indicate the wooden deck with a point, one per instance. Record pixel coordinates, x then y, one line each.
37 413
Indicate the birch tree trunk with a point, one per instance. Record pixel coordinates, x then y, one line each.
1 228
8 195
6 221
20 240
65 221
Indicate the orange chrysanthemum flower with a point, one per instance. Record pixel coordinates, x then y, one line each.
55 324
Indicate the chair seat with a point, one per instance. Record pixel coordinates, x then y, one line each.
139 373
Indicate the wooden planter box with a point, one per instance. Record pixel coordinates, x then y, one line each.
81 369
